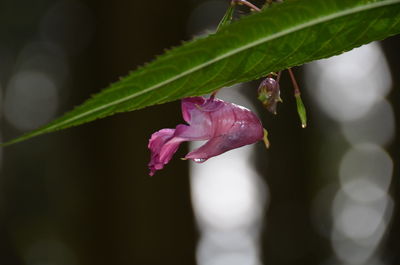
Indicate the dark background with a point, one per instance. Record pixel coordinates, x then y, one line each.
83 196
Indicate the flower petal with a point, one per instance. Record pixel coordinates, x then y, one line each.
189 104
233 126
163 146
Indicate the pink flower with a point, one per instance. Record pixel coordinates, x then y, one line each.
225 125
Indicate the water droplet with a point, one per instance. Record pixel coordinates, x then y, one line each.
199 160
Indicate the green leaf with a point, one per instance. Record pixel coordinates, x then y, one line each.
285 35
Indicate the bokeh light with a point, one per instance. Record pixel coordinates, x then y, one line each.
346 87
377 126
351 90
30 100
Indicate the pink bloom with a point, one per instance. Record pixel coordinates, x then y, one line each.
225 125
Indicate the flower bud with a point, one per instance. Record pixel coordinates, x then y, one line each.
269 94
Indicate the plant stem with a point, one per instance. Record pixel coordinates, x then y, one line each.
294 82
250 5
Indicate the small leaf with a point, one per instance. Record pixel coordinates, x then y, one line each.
227 18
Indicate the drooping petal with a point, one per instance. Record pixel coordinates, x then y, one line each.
163 146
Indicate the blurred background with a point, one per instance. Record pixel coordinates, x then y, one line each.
327 194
